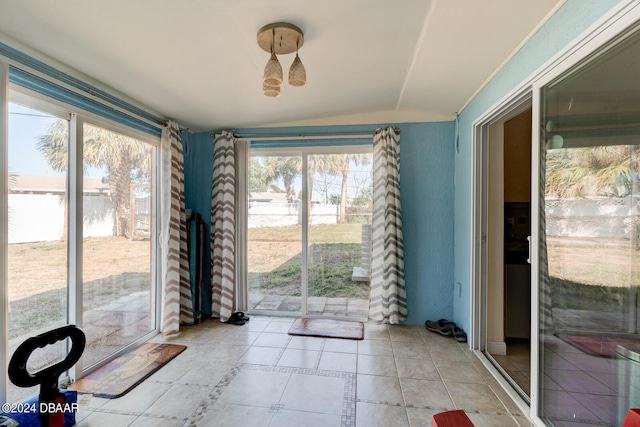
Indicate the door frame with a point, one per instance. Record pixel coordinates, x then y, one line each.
516 105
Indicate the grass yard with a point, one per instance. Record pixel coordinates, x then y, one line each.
112 267
334 249
596 277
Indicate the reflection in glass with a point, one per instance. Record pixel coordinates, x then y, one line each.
590 346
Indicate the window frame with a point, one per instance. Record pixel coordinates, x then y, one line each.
12 93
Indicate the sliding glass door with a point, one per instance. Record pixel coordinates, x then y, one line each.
340 196
84 258
590 241
117 297
309 231
274 254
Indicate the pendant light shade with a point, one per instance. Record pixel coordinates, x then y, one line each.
297 73
273 71
281 38
269 90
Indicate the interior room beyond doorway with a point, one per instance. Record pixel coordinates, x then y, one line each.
508 267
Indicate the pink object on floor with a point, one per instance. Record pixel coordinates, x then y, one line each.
456 418
632 419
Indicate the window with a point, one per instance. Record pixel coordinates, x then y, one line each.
85 258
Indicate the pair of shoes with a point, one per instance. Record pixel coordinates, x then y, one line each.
459 335
238 318
442 326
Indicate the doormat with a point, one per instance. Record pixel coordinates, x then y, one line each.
123 373
598 345
329 328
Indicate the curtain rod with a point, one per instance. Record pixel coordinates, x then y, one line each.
307 135
68 82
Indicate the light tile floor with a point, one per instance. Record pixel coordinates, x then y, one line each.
517 363
258 375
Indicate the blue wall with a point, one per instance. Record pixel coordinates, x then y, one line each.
426 180
574 17
198 173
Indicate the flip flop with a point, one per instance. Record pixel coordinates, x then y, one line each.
459 335
442 326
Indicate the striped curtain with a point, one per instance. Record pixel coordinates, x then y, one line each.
388 301
546 304
223 226
176 288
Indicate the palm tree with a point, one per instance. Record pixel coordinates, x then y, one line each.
121 156
258 179
590 171
611 171
323 164
287 168
357 159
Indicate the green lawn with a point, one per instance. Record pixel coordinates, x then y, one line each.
275 260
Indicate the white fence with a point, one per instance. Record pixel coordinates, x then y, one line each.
40 217
282 214
591 217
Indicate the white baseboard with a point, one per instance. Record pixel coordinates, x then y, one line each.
497 347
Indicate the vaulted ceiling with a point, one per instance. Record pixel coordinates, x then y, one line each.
198 62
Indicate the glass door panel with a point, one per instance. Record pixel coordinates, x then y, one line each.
117 228
590 246
331 276
37 225
339 234
274 235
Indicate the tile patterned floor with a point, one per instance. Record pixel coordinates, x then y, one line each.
258 375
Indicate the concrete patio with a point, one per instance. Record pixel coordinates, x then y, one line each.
350 307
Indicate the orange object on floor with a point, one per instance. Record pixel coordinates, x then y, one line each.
632 419
456 418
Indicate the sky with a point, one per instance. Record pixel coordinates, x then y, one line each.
26 126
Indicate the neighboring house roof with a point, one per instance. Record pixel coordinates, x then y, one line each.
256 196
52 184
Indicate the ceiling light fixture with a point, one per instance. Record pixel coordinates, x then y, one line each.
281 38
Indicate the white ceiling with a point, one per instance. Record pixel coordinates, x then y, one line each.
198 62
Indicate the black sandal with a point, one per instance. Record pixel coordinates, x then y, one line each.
242 316
234 319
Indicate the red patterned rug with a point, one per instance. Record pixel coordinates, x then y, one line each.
598 345
122 374
329 328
